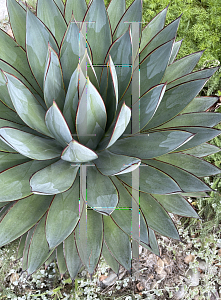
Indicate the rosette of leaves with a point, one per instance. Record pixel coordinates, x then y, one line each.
59 118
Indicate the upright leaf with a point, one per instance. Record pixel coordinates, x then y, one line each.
153 27
37 39
57 125
53 80
102 194
94 240
98 32
63 215
61 260
91 125
121 249
26 105
115 10
17 15
51 16
38 250
76 8
132 14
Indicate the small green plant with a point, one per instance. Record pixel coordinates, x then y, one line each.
70 130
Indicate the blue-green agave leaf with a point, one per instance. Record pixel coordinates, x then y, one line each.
71 101
38 251
110 164
63 215
110 260
9 160
132 14
90 254
57 125
153 27
78 153
194 165
61 260
102 194
115 10
91 117
121 248
54 179
163 223
181 67
22 216
175 50
30 145
150 145
51 16
77 8
17 16
202 150
153 67
200 104
26 105
53 80
72 258
37 39
14 182
153 181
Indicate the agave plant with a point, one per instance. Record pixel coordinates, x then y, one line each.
68 90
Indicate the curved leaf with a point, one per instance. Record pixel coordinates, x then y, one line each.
153 27
71 101
27 243
9 160
110 164
175 50
70 50
115 11
94 239
151 145
202 150
163 223
121 248
194 165
51 16
132 14
57 125
166 34
14 182
200 104
98 32
71 256
186 181
153 181
26 105
17 17
91 117
61 260
201 135
22 216
78 8
38 251
77 153
30 145
174 101
110 260
182 66
15 56
53 81
102 194
149 103
176 204
54 179
153 67
37 39
63 215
